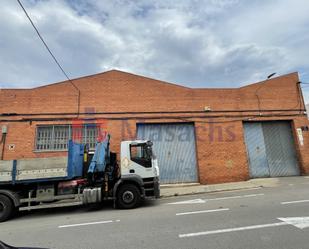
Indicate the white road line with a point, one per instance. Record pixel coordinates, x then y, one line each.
234 197
292 202
298 222
88 223
200 201
204 211
195 201
231 230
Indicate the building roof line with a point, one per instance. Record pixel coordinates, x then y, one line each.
156 80
97 74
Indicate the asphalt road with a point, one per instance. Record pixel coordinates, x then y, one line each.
236 219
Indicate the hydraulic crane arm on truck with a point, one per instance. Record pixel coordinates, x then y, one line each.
37 183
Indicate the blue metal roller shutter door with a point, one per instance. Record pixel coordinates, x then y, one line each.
280 149
256 150
174 146
271 149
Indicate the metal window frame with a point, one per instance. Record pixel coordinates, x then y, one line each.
52 148
52 140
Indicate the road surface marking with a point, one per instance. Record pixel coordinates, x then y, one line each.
292 202
234 197
88 223
199 201
195 201
204 211
299 222
230 230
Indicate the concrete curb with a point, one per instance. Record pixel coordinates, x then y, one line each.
192 189
165 194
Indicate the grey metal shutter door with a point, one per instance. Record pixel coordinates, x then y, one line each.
271 149
280 149
174 146
256 150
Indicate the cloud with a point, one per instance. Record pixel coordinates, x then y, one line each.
214 43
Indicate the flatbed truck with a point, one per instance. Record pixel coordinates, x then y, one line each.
78 179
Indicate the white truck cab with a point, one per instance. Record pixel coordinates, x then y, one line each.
137 157
138 163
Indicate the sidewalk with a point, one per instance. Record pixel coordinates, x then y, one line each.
169 190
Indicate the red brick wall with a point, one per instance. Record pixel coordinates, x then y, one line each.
302 150
122 99
116 91
221 152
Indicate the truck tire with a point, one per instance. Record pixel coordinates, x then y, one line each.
6 208
128 196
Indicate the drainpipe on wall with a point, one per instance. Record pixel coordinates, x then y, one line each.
4 131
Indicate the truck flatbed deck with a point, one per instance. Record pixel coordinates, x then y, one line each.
43 169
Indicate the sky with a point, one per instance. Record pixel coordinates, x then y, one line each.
211 43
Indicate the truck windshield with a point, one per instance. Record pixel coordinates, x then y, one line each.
141 154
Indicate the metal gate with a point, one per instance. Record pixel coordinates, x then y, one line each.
271 149
174 146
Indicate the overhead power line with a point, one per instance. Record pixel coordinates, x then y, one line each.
52 55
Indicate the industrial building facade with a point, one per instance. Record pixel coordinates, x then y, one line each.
199 135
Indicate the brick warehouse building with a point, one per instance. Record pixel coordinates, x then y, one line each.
200 135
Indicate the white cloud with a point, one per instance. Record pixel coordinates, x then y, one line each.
214 43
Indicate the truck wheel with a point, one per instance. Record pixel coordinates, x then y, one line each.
128 196
6 208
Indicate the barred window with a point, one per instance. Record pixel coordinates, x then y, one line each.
56 137
90 135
